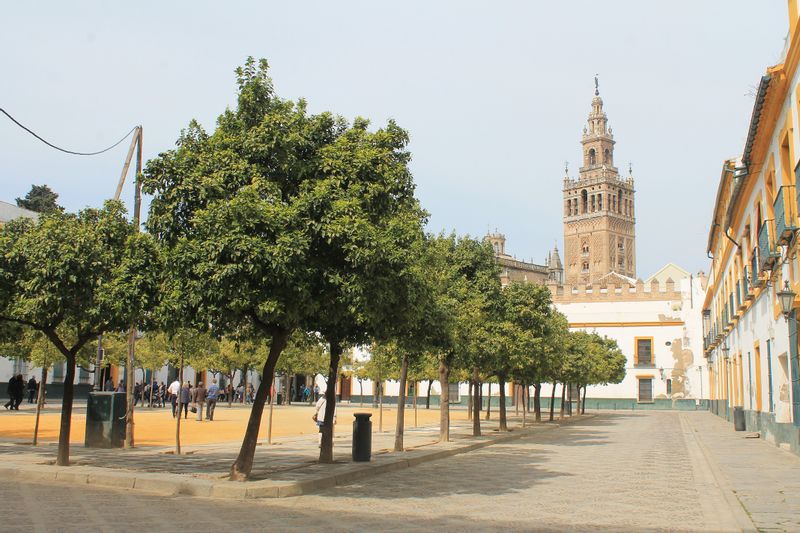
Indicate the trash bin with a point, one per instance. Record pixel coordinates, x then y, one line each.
105 420
362 437
738 419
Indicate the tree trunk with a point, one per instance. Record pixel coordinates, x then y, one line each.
66 413
470 400
361 386
230 396
240 469
583 403
401 405
244 380
537 401
39 404
271 408
130 380
415 402
553 400
326 448
428 396
525 407
380 405
489 401
151 388
444 401
476 403
178 411
563 396
517 400
501 382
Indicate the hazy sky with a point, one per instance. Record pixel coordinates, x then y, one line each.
494 95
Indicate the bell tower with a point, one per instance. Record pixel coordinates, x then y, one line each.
599 223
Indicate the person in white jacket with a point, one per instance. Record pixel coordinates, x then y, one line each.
319 416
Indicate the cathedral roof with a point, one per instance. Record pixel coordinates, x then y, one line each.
554 260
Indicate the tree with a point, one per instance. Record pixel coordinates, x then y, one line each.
186 345
73 277
40 199
231 211
279 220
462 272
363 247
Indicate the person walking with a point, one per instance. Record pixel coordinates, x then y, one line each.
173 391
185 397
199 395
11 390
32 386
319 416
316 393
211 399
109 385
19 391
306 393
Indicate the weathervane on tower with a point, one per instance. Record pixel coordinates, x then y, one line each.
596 85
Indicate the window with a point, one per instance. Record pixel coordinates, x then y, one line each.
669 386
594 205
600 202
585 249
585 267
606 156
645 389
584 201
592 157
644 351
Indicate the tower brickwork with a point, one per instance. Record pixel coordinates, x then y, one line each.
599 223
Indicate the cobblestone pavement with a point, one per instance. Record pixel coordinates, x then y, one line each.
764 479
616 472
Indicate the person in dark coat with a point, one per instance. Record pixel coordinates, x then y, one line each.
10 390
19 391
32 386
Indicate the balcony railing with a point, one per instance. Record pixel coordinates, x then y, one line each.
785 208
766 249
755 282
739 303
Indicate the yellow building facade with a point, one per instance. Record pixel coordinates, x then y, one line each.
750 346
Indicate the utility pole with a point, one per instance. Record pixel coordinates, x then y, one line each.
136 144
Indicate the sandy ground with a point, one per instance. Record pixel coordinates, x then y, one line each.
156 427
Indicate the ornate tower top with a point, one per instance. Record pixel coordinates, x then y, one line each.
599 223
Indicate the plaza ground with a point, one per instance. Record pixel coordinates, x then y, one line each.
156 427
636 471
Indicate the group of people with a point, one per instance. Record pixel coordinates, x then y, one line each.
307 397
16 391
195 398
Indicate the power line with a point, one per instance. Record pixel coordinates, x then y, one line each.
51 145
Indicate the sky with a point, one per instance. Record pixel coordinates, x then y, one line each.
493 94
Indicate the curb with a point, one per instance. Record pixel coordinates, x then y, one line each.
182 485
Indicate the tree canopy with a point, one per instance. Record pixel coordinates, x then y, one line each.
41 199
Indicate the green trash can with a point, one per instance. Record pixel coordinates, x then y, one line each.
105 420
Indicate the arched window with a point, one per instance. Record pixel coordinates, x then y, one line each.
607 156
592 157
600 202
584 201
585 249
619 202
594 204
585 267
